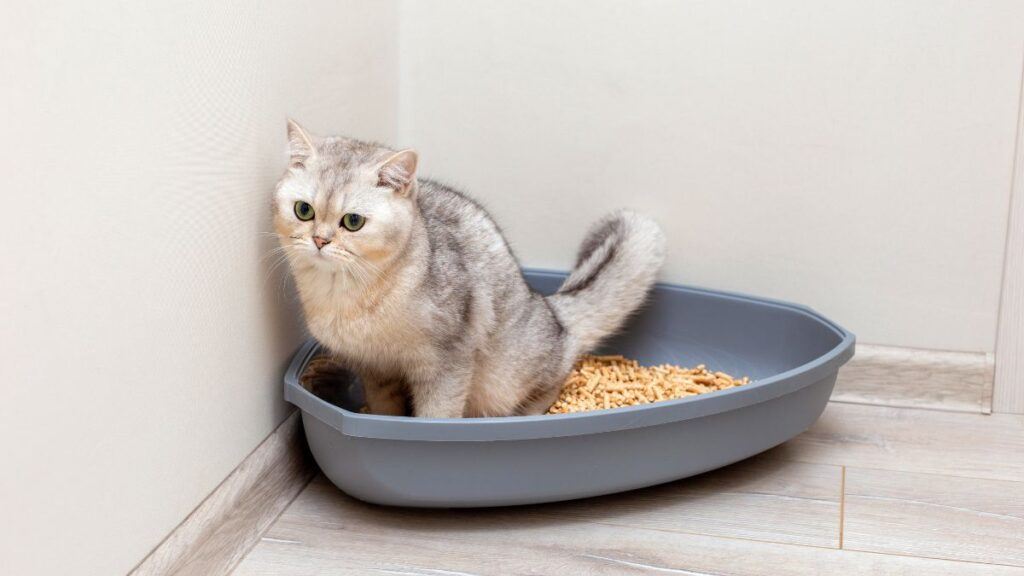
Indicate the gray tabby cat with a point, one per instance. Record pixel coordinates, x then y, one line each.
412 284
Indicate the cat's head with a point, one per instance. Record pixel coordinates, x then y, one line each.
344 205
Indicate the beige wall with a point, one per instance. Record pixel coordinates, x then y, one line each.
143 338
853 156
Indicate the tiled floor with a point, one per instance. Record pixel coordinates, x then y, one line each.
867 490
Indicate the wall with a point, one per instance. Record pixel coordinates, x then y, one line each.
853 156
144 334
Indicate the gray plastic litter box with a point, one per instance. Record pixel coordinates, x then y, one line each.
791 352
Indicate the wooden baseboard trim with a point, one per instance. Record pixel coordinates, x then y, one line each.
914 378
230 521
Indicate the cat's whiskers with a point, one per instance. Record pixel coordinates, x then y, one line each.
369 272
365 279
281 259
360 274
350 267
281 255
371 266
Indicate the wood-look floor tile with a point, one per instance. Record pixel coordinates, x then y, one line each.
325 532
930 441
758 499
935 516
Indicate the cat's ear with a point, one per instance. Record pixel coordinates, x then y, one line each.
300 146
399 172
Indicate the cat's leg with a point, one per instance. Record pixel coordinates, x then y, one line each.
385 396
442 395
327 378
538 401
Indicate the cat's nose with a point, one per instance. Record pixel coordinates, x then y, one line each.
320 242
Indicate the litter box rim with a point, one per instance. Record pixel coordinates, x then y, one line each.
506 428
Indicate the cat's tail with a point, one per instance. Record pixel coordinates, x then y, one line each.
616 267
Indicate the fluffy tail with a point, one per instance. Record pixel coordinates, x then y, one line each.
615 269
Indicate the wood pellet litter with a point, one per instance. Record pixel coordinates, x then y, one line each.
599 382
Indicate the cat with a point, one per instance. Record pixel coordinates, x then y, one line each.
412 285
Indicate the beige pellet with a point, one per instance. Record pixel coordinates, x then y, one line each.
602 382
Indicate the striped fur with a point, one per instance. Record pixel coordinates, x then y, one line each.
426 301
616 266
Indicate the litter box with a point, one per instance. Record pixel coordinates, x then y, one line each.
791 353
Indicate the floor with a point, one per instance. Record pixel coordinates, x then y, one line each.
868 490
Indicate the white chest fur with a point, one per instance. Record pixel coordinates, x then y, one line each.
374 329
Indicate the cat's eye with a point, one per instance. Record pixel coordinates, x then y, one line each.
353 221
303 211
